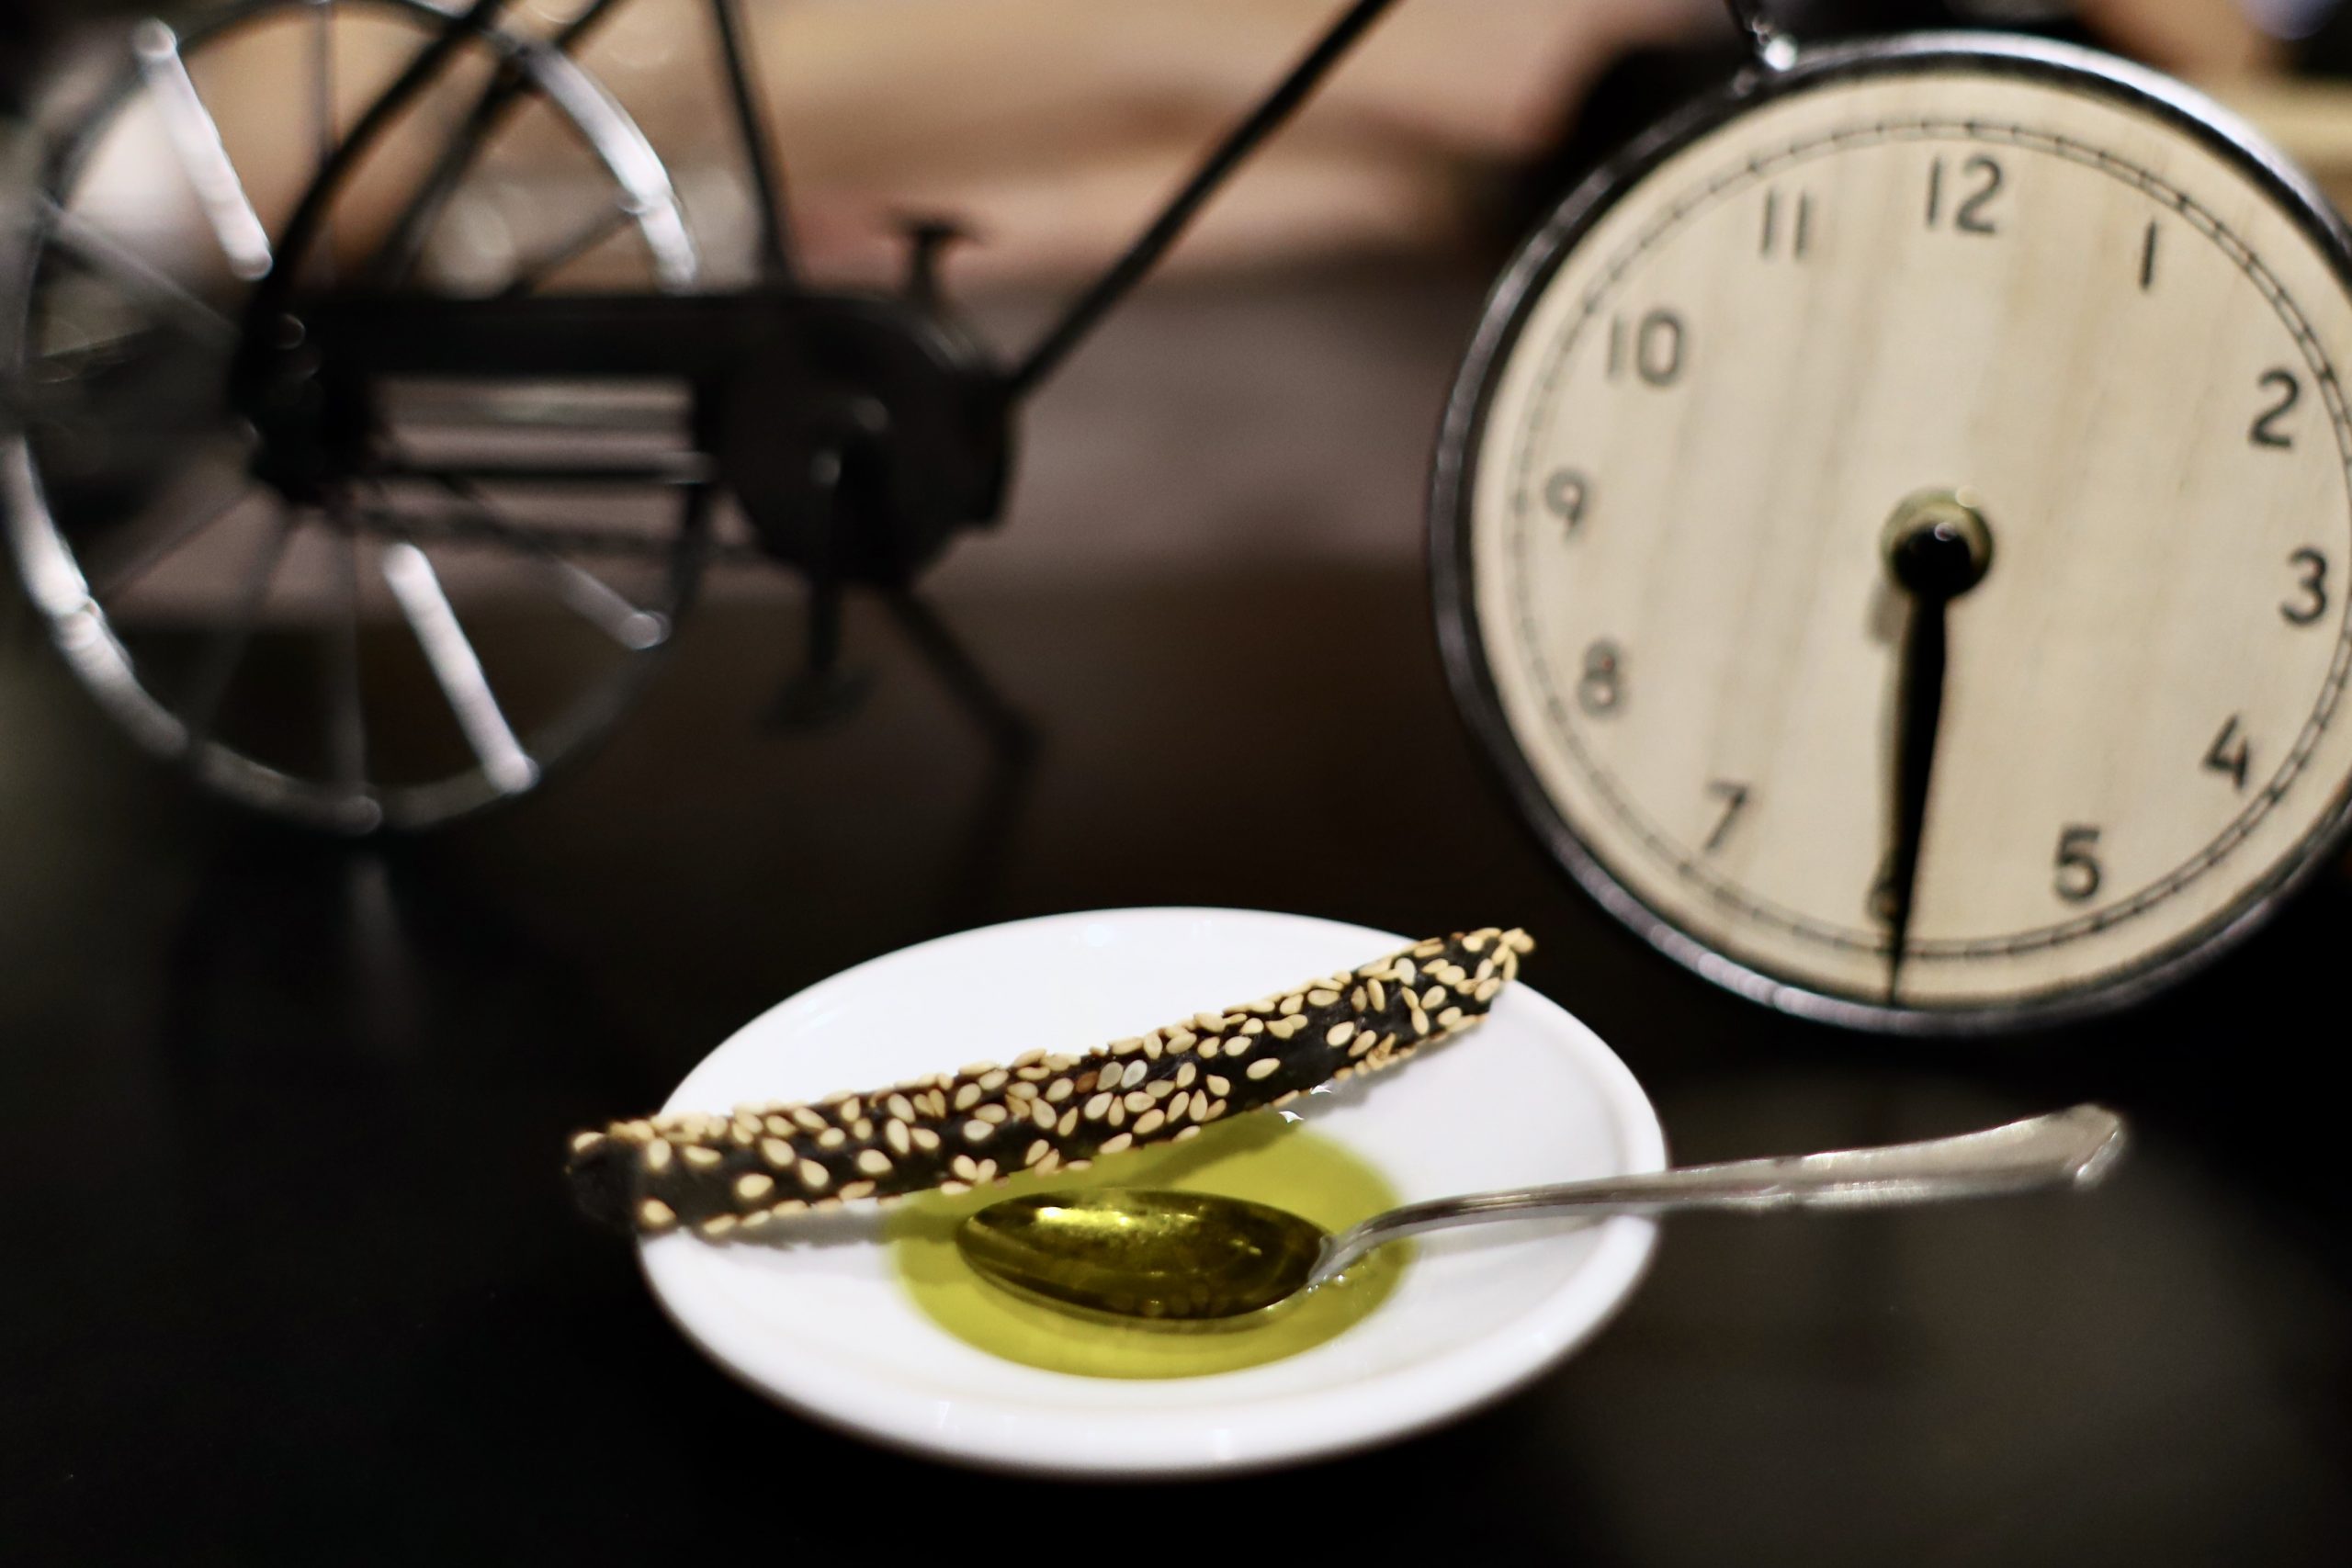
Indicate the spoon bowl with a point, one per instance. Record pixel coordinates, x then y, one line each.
1144 1252
1175 1256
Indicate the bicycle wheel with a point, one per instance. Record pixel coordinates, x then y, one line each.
401 638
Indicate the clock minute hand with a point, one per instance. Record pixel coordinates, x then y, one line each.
1937 548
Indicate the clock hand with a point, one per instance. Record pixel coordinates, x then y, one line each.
1937 548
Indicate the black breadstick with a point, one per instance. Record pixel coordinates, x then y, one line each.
1039 1112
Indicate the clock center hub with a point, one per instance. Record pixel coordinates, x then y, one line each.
1937 544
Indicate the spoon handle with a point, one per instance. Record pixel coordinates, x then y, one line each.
2068 1148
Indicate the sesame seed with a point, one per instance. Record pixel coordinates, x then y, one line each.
832 1138
1042 1114
1057 1091
873 1162
965 1167
924 1138
1176 1106
967 1097
993 1081
1321 997
992 1114
1188 1132
582 1142
1355 999
1069 1121
1037 1151
757 1184
1136 1071
1150 1122
1450 1017
900 1108
656 1155
815 1176
1117 1145
777 1153
718 1225
977 1131
862 1129
1290 1005
1379 995
1135 1099
700 1157
809 1120
1220 1086
894 1133
1265 1066
1097 1106
654 1215
1185 1075
856 1190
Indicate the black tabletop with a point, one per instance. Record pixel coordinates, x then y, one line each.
289 1274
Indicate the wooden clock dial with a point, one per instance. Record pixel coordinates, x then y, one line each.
2025 288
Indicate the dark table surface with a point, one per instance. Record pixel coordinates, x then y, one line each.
290 1275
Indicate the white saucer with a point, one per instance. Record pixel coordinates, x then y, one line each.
826 1328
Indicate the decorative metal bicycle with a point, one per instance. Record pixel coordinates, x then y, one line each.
413 372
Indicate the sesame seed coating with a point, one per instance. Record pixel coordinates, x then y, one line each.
711 1172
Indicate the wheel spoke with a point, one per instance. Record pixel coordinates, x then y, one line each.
135 278
587 237
416 588
346 716
322 115
227 649
146 556
582 591
196 139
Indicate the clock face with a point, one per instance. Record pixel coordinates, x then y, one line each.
2009 306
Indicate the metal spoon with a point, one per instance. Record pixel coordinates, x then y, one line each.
1140 1252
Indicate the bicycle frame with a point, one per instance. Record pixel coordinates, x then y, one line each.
275 295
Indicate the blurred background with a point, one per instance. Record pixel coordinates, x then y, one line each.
1048 129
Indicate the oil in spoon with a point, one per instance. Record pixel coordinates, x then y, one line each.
1260 1158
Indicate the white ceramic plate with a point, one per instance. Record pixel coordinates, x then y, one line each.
1530 1097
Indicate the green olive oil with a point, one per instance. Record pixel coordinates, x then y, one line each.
1261 1157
